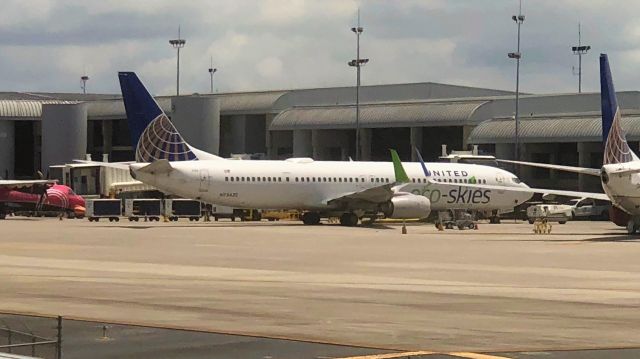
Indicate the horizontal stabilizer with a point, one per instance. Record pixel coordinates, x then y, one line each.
580 170
157 167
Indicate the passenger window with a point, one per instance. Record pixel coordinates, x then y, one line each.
286 179
324 179
231 179
350 179
296 179
279 179
253 179
226 179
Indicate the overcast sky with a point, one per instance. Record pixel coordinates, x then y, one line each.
46 45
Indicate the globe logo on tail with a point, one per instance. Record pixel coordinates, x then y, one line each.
617 149
161 141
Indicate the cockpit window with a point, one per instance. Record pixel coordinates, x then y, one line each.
70 192
516 180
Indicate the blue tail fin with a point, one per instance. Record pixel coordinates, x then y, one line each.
152 133
616 148
424 167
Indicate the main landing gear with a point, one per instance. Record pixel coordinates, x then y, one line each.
349 219
632 226
311 218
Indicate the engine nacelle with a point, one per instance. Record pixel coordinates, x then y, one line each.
407 205
617 216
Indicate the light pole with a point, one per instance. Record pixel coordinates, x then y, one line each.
212 71
178 44
358 63
519 19
84 79
580 50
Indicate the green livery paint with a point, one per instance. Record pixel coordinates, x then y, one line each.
398 170
473 180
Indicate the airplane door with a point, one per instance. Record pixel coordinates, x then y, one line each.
204 180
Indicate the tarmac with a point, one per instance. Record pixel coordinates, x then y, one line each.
498 289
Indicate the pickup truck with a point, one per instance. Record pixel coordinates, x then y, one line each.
589 208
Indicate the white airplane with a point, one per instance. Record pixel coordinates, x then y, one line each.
620 172
350 190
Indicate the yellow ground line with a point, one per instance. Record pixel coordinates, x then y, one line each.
475 356
391 355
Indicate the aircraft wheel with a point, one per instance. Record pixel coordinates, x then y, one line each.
3 215
311 218
348 219
562 222
632 227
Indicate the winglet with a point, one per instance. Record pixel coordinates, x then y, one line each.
398 169
424 167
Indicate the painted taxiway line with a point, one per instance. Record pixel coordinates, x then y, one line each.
410 354
475 355
391 355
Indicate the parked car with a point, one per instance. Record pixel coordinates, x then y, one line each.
560 213
589 208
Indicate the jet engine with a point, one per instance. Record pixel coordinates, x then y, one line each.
619 217
407 205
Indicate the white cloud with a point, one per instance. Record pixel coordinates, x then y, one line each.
45 45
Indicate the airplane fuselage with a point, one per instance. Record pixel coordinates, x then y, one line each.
623 189
309 185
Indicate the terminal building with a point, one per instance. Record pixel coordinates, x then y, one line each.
39 130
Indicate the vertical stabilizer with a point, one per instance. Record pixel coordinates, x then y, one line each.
152 133
616 148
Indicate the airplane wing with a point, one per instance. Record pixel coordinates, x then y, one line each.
581 170
572 194
118 165
543 191
25 183
379 194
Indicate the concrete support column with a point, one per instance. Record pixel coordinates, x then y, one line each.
466 132
584 159
553 157
64 133
366 135
302 143
107 137
268 138
238 132
197 118
416 142
7 149
316 145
